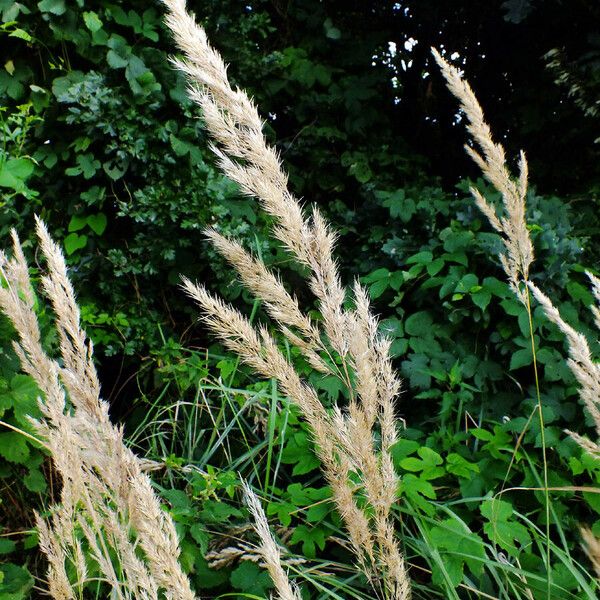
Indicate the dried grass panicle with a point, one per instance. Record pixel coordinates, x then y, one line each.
591 545
268 548
581 363
345 342
492 161
106 501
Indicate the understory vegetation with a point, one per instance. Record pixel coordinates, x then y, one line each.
290 443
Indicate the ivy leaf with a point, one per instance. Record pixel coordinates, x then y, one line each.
459 466
500 526
76 223
97 223
74 242
14 172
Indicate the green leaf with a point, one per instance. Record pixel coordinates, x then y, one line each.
56 7
459 466
419 324
201 536
14 172
15 582
92 21
435 266
115 61
311 538
21 34
423 257
501 528
35 481
97 223
74 242
7 546
14 447
481 299
521 358
250 578
77 223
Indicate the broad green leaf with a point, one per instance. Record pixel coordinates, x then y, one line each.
14 447
250 578
521 358
15 582
74 242
56 7
97 223
77 223
92 21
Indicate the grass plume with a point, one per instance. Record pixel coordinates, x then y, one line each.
346 343
106 503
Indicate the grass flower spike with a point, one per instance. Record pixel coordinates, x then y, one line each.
106 501
492 162
345 344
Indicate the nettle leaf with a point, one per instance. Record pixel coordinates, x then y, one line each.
201 536
214 511
14 447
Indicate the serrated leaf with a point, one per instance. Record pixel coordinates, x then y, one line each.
14 447
21 34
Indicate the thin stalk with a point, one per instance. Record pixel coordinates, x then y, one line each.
543 440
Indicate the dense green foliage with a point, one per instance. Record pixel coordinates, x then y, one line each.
101 142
